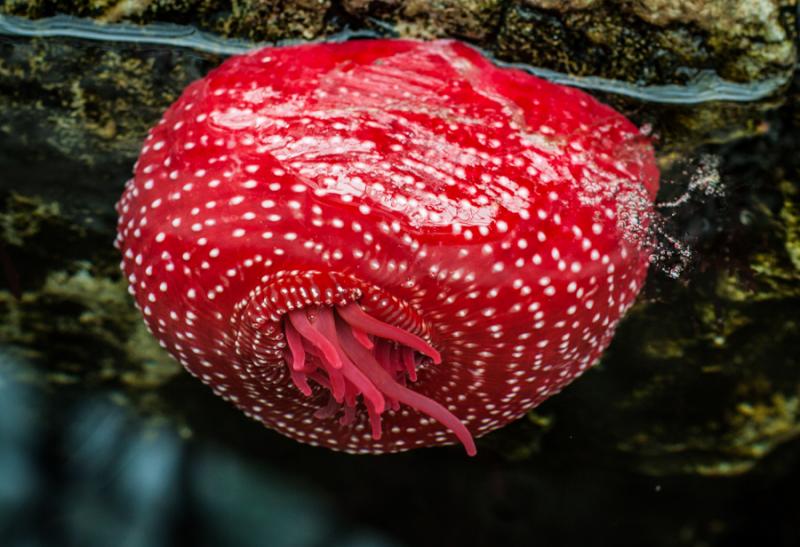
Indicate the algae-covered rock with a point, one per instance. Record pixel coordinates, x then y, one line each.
88 101
738 50
653 40
476 20
710 390
253 19
646 41
716 358
65 308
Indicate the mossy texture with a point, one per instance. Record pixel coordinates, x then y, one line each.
645 41
653 40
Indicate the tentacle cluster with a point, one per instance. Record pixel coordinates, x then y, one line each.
352 354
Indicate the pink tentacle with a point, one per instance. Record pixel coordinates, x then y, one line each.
351 372
351 353
356 317
295 342
387 385
303 325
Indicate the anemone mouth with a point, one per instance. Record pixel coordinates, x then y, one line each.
335 332
361 360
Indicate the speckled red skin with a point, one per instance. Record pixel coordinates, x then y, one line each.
501 217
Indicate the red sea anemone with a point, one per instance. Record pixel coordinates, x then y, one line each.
379 245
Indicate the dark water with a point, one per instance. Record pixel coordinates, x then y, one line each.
85 472
90 458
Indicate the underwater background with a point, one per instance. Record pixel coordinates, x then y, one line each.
686 433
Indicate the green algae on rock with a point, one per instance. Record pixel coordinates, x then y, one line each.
65 309
476 20
722 350
653 40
